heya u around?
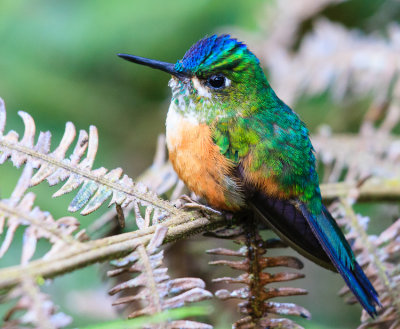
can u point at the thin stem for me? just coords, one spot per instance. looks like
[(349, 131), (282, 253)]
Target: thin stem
[(256, 288), (151, 282), (49, 227), (130, 191), (107, 248), (371, 191)]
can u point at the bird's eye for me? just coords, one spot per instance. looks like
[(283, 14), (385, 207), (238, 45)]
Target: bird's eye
[(217, 81)]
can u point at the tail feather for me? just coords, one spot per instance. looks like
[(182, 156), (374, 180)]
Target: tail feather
[(307, 233), (339, 252)]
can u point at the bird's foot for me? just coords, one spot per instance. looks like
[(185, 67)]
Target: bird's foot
[(229, 218), (185, 202)]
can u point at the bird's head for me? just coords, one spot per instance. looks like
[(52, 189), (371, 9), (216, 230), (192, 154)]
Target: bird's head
[(217, 77)]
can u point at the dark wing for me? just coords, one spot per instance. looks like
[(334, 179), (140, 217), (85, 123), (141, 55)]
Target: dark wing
[(289, 223)]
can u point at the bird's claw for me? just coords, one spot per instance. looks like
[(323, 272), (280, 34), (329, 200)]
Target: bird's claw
[(189, 203)]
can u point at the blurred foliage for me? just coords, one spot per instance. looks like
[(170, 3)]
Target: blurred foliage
[(137, 323), (58, 61)]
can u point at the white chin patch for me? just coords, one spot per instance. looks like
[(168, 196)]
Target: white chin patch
[(201, 90)]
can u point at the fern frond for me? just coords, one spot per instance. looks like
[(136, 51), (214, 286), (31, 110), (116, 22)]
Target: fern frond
[(107, 248), (157, 291), (355, 63), (160, 178), (379, 257), (255, 306), (19, 210), (95, 186), (352, 158), (39, 311)]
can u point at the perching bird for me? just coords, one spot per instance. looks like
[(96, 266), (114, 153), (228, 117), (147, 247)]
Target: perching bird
[(236, 144)]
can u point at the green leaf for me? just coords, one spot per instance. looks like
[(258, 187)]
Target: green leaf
[(168, 315)]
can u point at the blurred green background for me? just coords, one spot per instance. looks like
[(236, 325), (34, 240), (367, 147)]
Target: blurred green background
[(58, 62)]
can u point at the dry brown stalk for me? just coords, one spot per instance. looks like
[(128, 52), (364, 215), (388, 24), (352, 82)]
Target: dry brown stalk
[(256, 307), (156, 290), (107, 249), (38, 310)]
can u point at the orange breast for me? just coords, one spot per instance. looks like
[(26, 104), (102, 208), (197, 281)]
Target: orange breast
[(197, 160)]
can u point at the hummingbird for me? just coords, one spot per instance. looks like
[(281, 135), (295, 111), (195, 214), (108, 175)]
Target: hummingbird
[(234, 143)]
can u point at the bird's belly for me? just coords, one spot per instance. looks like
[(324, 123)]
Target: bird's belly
[(198, 162)]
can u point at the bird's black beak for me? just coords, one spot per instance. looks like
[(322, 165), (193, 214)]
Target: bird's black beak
[(163, 66)]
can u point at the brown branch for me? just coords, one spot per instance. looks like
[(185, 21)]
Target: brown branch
[(373, 189), (179, 228), (255, 307), (107, 248)]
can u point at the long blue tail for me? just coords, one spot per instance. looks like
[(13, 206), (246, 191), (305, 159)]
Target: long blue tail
[(307, 233), (338, 250)]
